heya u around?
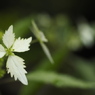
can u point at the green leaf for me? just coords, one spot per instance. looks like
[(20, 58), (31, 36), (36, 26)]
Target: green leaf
[(59, 57), (85, 68), (2, 72), (58, 80)]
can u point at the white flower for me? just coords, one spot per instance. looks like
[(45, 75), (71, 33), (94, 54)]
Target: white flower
[(86, 34), (41, 38), (15, 64)]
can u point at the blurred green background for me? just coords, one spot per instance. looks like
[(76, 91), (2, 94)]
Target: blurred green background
[(69, 26)]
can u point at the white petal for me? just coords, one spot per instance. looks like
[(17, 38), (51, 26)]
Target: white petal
[(21, 45), (2, 51), (15, 66), (47, 52), (42, 37), (9, 37)]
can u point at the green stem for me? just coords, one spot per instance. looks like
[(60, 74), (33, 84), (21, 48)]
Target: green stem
[(34, 41)]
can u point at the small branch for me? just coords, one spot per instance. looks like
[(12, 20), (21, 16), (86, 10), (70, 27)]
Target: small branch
[(34, 41)]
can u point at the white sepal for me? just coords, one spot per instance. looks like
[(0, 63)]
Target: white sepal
[(9, 37), (2, 51), (42, 37), (38, 34), (21, 45), (15, 67), (46, 51)]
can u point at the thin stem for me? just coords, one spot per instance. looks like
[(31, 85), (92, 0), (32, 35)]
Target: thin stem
[(34, 41)]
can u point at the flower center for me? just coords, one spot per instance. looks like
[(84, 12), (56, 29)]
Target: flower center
[(9, 51)]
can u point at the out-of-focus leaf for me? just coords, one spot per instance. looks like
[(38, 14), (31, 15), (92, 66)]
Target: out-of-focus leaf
[(74, 42), (1, 34), (2, 71), (58, 80), (85, 68), (59, 57)]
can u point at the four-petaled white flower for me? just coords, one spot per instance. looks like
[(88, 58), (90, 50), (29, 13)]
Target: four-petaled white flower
[(15, 64)]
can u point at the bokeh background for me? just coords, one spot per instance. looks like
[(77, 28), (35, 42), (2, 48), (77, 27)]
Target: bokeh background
[(69, 26)]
